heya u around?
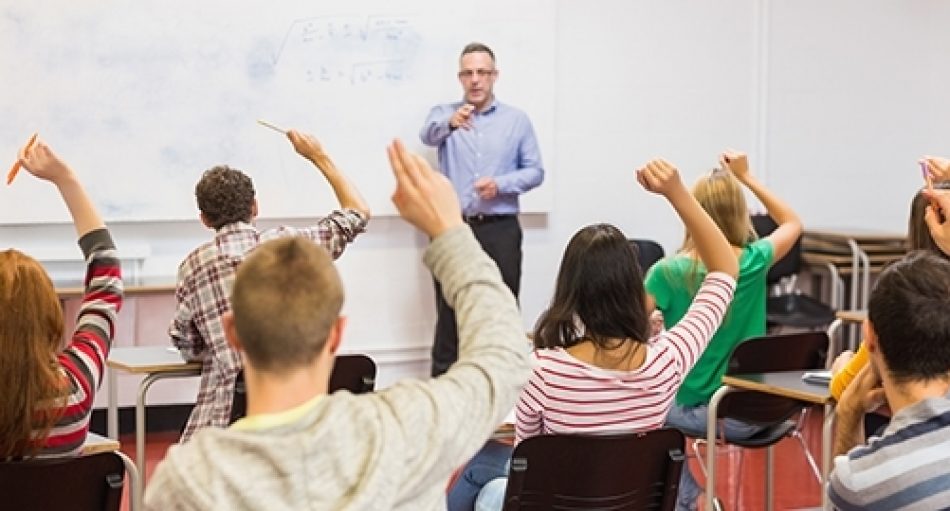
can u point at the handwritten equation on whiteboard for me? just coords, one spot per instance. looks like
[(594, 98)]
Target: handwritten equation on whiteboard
[(349, 50)]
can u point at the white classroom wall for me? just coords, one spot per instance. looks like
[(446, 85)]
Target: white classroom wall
[(833, 100)]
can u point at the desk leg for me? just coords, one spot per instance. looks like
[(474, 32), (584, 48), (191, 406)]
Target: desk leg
[(135, 499), (140, 432), (827, 437), (711, 445), (112, 413), (865, 279), (834, 348), (140, 419)]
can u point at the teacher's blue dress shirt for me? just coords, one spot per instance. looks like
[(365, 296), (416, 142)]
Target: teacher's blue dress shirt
[(500, 144)]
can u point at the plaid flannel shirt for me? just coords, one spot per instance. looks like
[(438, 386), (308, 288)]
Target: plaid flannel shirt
[(203, 294)]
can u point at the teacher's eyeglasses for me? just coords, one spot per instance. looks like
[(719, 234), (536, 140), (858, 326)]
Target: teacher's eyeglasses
[(468, 74)]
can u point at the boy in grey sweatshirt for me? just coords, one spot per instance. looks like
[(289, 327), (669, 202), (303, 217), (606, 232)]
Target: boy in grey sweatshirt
[(299, 448)]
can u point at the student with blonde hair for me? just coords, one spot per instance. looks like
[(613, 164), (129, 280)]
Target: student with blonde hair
[(47, 388), (674, 281)]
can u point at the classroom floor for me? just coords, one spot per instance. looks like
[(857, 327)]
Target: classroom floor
[(795, 487)]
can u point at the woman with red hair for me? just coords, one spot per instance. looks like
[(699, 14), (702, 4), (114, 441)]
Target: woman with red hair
[(47, 389)]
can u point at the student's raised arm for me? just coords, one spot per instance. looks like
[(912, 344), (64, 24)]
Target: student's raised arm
[(442, 422), (346, 193), (789, 228), (83, 359), (661, 177), (43, 163)]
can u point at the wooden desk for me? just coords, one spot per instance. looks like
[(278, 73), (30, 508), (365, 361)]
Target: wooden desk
[(504, 433), (785, 384), (156, 363), (96, 444)]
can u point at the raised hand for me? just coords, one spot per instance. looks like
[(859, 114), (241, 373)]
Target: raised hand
[(306, 145), (736, 162), (424, 197), (659, 176), (937, 167), (43, 163)]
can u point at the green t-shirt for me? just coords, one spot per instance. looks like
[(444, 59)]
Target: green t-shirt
[(673, 286)]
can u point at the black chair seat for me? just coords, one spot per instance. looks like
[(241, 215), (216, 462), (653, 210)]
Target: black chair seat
[(768, 436), (798, 310)]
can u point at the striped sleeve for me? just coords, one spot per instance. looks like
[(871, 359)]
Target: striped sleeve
[(83, 360), (688, 338), (528, 419), (906, 469)]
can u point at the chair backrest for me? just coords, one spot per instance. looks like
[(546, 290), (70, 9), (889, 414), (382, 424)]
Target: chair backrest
[(787, 266), (84, 482), (355, 373), (771, 353), (596, 472), (648, 252)]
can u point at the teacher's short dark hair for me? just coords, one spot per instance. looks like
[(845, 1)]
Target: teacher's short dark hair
[(477, 47)]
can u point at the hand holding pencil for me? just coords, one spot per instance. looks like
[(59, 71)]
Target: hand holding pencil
[(307, 146), (38, 159), (17, 164), (936, 167)]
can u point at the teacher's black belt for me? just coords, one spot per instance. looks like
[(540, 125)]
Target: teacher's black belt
[(481, 218)]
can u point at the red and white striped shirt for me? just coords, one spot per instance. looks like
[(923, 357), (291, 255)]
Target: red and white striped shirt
[(83, 361), (565, 395)]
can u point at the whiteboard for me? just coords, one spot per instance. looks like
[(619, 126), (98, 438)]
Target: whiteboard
[(141, 97), (857, 94)]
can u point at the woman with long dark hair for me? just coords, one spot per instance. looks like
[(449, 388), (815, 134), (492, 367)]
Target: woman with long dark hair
[(597, 368)]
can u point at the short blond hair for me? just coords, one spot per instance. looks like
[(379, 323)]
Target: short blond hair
[(720, 194), (286, 298)]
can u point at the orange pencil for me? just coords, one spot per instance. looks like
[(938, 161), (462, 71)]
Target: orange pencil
[(16, 166)]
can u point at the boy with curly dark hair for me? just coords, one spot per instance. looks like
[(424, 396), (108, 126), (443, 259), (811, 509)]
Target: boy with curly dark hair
[(228, 205)]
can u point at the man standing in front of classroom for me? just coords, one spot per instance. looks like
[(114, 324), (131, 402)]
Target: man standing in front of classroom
[(489, 152)]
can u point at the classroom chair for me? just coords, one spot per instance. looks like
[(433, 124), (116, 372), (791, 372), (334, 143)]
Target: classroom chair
[(786, 306), (355, 373), (648, 252), (83, 482), (770, 353), (635, 471)]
